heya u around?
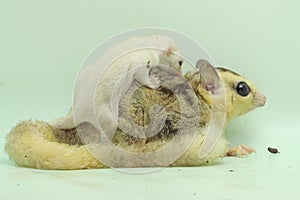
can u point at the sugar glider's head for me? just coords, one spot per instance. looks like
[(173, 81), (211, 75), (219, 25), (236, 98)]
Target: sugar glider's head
[(169, 53), (171, 58), (241, 94)]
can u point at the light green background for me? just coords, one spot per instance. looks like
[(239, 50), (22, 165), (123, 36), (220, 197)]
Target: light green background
[(42, 44)]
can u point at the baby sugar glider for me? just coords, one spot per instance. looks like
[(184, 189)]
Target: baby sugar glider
[(116, 80)]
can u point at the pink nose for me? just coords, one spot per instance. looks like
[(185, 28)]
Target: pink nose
[(261, 99)]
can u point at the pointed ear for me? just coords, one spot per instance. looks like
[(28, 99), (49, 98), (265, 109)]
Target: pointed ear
[(209, 77)]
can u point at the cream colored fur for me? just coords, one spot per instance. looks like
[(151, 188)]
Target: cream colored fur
[(34, 143)]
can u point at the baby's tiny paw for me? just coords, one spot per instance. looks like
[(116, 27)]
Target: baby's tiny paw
[(239, 151)]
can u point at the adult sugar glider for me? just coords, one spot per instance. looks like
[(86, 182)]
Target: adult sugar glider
[(207, 82), (39, 145)]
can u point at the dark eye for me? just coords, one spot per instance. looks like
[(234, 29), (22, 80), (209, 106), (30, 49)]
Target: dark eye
[(148, 64), (180, 62), (242, 89)]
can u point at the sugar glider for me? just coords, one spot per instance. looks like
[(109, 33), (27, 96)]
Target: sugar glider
[(39, 145), (240, 97), (138, 55)]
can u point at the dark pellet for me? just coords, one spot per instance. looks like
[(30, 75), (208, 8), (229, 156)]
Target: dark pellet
[(273, 150)]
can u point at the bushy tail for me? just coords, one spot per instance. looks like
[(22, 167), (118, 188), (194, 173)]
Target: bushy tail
[(36, 144), (33, 144)]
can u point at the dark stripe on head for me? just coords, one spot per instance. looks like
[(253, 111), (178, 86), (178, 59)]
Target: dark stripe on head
[(227, 70)]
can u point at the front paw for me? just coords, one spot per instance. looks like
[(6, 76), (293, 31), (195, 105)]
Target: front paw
[(155, 81), (239, 151)]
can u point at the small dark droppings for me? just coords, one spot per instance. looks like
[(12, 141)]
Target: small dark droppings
[(18, 184), (273, 150), (179, 170), (207, 161), (231, 170), (194, 193), (25, 156)]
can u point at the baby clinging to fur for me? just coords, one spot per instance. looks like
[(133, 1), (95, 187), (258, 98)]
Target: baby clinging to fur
[(101, 108)]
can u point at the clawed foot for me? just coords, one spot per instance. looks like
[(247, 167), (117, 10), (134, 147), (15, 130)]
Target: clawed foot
[(239, 151)]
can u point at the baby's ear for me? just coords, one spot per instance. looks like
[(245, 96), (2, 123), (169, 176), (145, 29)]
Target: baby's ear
[(209, 77)]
